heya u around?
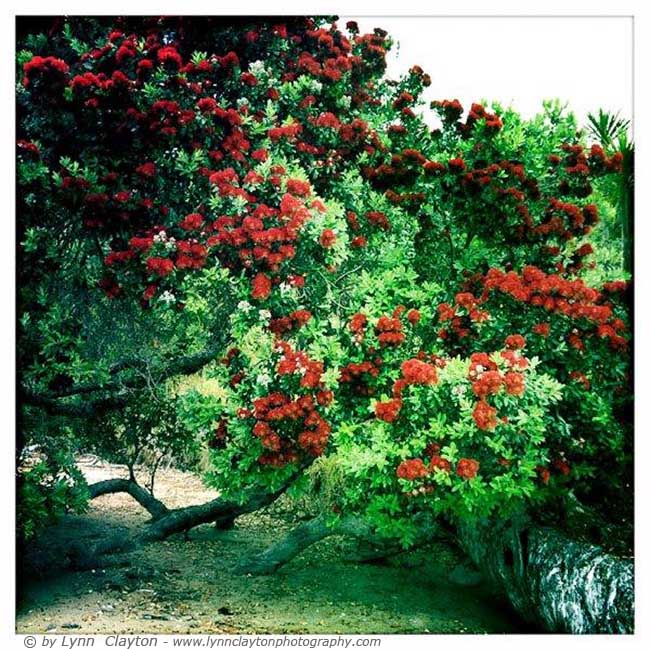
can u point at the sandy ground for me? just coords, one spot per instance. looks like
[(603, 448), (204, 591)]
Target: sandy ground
[(188, 585)]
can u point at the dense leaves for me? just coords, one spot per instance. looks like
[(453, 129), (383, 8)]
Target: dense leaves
[(423, 316)]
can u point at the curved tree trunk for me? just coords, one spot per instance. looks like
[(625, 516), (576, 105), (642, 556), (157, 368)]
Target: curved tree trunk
[(565, 585)]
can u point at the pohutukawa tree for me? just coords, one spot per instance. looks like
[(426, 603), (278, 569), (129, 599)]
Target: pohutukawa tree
[(239, 235)]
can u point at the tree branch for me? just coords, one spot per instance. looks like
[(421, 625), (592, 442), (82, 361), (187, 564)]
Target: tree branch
[(299, 539), (157, 509), (50, 400)]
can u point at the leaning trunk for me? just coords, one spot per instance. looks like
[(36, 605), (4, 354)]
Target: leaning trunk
[(562, 584)]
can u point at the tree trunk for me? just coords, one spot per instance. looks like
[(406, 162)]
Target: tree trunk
[(562, 584)]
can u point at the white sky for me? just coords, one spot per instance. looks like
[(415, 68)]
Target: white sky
[(585, 61)]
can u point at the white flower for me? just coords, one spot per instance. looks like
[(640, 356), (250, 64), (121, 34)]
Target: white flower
[(160, 237), (167, 297), (265, 314), (264, 380), (257, 68), (285, 288), (345, 101), (244, 306)]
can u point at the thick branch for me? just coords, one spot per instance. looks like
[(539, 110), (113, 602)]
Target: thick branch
[(50, 400), (153, 506), (183, 519), (106, 551), (299, 539), (85, 409)]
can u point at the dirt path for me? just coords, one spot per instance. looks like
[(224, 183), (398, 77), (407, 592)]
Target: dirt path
[(187, 586)]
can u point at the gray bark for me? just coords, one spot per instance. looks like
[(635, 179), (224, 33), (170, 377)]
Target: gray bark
[(563, 584)]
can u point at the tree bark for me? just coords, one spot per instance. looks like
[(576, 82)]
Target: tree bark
[(563, 584), (183, 519), (153, 506)]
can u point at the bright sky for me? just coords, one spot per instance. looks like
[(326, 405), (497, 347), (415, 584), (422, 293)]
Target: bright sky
[(585, 61)]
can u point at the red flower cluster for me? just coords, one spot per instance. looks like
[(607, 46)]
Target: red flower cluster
[(467, 468), (295, 320), (415, 371), (327, 238), (170, 56), (160, 266), (261, 287), (412, 469), (485, 416), (389, 331), (477, 112), (388, 411), (515, 342), (192, 221), (287, 425), (191, 255), (298, 362), (48, 68), (358, 324), (439, 463), (570, 298)]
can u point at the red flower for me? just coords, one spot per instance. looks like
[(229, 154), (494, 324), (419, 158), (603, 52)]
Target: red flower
[(260, 155), (388, 411), (325, 397), (412, 469), (358, 323), (48, 66), (170, 55), (543, 329), (298, 187), (148, 170), (192, 221), (515, 342), (160, 266), (445, 312), (438, 462), (467, 468), (543, 474), (207, 104), (487, 383), (413, 316), (485, 416), (456, 165), (562, 466), (515, 383), (261, 287), (327, 238), (419, 372)]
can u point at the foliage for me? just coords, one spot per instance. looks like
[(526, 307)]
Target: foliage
[(429, 312)]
